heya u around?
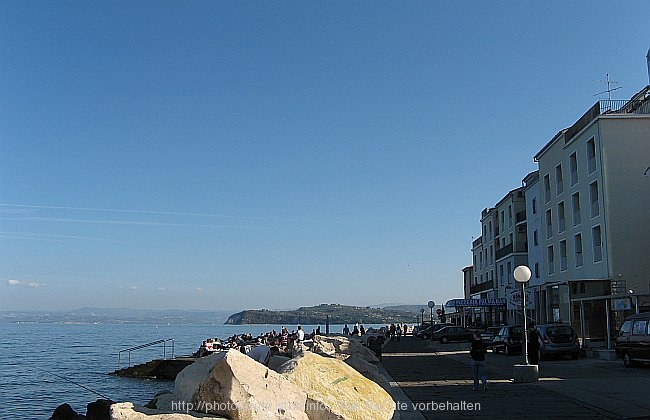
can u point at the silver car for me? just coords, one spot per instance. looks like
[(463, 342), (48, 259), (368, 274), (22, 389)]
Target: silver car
[(558, 340)]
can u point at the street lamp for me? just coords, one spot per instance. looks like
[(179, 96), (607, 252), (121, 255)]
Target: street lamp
[(525, 372), (422, 316), (522, 275), (431, 304)]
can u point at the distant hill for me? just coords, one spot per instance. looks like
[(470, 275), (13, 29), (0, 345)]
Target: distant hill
[(338, 314), (407, 308)]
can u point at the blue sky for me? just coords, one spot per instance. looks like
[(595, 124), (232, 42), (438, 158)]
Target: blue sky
[(231, 155)]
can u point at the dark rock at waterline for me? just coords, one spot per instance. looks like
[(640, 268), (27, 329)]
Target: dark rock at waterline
[(99, 410), (65, 412)]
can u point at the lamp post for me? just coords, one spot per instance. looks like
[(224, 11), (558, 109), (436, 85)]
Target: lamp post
[(524, 372), (522, 275), (431, 304), (422, 315)]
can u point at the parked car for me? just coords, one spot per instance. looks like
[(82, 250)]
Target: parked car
[(487, 336), (447, 334), (508, 339), (428, 330), (558, 340), (633, 340)]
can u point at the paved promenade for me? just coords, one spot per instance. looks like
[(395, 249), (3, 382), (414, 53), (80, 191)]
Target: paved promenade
[(428, 376)]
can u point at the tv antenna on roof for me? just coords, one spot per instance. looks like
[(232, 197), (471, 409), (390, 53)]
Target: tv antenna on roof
[(610, 89)]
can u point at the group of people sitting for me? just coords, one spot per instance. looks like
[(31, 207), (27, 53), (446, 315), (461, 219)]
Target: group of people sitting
[(260, 348)]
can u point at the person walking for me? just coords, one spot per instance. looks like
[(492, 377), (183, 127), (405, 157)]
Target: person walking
[(477, 353)]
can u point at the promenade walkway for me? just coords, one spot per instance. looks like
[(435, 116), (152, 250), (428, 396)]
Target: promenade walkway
[(435, 381)]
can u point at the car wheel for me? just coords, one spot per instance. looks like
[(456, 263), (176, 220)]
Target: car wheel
[(444, 340), (627, 361)]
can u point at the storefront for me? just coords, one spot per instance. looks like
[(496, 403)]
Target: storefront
[(476, 312)]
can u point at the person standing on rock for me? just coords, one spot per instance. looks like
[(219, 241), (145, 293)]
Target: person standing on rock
[(398, 331), (477, 353), (301, 334), (346, 330)]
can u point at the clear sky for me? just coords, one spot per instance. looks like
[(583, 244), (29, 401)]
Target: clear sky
[(232, 155)]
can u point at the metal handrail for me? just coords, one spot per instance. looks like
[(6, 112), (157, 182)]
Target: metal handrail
[(142, 346)]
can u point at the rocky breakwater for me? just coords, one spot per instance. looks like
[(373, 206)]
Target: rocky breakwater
[(316, 384)]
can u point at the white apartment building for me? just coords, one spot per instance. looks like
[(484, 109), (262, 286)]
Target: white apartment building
[(500, 248), (594, 209)]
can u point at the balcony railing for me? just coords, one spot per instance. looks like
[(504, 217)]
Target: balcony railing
[(481, 287), (607, 107), (509, 249)]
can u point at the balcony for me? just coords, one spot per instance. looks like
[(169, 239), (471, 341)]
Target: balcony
[(607, 107), (478, 241), (481, 287), (520, 216), (509, 249)]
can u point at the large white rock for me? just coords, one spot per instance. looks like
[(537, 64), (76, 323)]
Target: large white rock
[(336, 390), (342, 347), (129, 411), (368, 370), (232, 384)]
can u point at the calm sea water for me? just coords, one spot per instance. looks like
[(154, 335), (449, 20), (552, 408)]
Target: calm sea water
[(32, 354)]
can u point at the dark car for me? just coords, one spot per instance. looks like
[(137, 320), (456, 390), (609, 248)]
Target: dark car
[(508, 340), (447, 334), (428, 330), (633, 340), (558, 340), (488, 335)]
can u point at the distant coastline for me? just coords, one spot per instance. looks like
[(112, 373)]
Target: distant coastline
[(319, 315)]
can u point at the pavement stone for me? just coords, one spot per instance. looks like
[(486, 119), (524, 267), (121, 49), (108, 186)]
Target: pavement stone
[(432, 380)]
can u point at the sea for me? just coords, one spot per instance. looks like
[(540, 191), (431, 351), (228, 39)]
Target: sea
[(43, 365)]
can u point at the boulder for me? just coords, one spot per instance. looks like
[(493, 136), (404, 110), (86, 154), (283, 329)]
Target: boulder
[(65, 412), (368, 370), (99, 410), (336, 390), (129, 411), (342, 347), (234, 385)]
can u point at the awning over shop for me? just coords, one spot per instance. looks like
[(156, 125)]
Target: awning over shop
[(475, 303)]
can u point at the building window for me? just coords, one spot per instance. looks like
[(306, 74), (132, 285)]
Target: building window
[(563, 257), (593, 198), (490, 229), (551, 262), (591, 156), (575, 201), (503, 218), (547, 188), (559, 180), (535, 238), (534, 205), (573, 168), (509, 271), (501, 273), (597, 242), (536, 270), (549, 224), (561, 221), (577, 241), (509, 215)]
